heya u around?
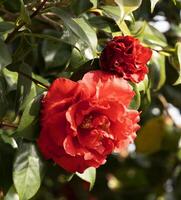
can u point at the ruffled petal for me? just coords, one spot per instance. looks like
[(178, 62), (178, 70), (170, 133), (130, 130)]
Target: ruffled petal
[(109, 86)]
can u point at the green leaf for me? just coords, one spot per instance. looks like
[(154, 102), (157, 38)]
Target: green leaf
[(27, 171), (89, 31), (13, 6), (124, 28), (94, 2), (9, 140), (3, 100), (127, 6), (80, 6), (136, 101), (112, 11), (29, 126), (153, 4), (71, 25), (178, 55), (149, 35), (5, 56), (88, 175), (11, 79), (24, 84), (103, 23), (157, 71), (24, 15), (55, 54), (77, 59), (174, 1), (11, 194), (6, 26), (143, 85)]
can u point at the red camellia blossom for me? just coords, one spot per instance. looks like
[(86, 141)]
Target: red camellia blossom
[(125, 56), (82, 122)]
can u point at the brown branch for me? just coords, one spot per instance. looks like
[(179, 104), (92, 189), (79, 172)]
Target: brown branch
[(5, 124), (165, 105), (12, 34), (49, 21), (43, 2)]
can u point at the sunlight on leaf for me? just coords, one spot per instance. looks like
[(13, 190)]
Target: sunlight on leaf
[(88, 175)]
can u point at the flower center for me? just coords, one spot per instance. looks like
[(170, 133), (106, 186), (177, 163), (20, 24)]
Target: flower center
[(96, 121)]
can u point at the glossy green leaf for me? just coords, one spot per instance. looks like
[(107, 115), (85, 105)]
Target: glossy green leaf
[(11, 79), (143, 85), (13, 6), (112, 12), (9, 140), (136, 101), (127, 6), (3, 100), (123, 27), (6, 26), (157, 71), (27, 171), (71, 25), (24, 84), (24, 15), (55, 54), (89, 175), (29, 126), (178, 55), (103, 23), (11, 194), (5, 56), (80, 6), (77, 59), (148, 34), (89, 31), (94, 2), (153, 4)]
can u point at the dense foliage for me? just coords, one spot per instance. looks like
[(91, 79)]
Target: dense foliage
[(43, 40)]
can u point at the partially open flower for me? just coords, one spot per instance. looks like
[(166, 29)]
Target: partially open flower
[(125, 56)]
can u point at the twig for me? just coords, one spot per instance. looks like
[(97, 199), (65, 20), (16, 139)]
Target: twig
[(51, 22), (166, 107), (38, 9), (11, 35), (163, 101), (165, 52), (5, 124)]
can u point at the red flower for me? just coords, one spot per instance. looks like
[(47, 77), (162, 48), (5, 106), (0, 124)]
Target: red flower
[(82, 122), (125, 56)]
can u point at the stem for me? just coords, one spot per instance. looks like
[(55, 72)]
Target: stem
[(166, 51), (5, 124), (43, 2), (49, 21), (165, 104), (34, 80), (163, 101), (11, 35)]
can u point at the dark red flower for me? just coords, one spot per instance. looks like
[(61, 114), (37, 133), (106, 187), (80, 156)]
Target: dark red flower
[(125, 56), (83, 122)]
